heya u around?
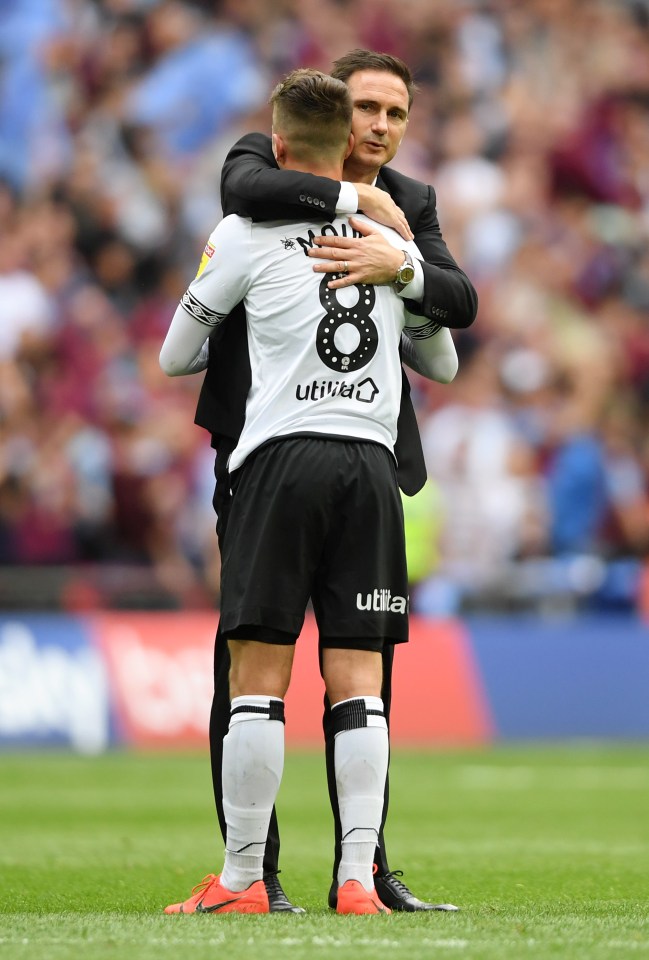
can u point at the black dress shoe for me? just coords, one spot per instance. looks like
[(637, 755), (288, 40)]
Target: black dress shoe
[(396, 895), (278, 902)]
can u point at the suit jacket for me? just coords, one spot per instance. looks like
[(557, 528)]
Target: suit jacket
[(252, 186)]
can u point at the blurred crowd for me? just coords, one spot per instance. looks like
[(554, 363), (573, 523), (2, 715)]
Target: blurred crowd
[(532, 123)]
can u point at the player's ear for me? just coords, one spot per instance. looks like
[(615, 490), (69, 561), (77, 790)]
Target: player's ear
[(350, 145), (279, 149)]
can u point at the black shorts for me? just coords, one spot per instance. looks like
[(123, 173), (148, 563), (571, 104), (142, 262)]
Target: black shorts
[(320, 519)]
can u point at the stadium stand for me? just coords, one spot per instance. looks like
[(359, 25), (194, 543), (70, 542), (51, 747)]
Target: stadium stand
[(532, 123)]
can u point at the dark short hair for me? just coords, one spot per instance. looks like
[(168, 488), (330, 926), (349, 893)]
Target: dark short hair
[(360, 59), (314, 109)]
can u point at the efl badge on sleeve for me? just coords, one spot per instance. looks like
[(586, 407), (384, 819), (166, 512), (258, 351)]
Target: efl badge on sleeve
[(208, 253)]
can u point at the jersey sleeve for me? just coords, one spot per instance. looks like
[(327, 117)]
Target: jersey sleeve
[(223, 279), (429, 349)]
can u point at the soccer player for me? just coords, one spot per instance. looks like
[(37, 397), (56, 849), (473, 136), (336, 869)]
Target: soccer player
[(316, 512), (382, 90)]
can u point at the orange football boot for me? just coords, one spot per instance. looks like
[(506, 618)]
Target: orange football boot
[(210, 896), (354, 898)]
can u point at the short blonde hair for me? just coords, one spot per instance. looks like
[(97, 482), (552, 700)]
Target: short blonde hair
[(313, 111)]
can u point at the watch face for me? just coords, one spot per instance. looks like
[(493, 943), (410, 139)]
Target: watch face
[(406, 274)]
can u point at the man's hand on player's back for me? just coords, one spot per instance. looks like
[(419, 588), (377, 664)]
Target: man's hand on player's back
[(369, 259)]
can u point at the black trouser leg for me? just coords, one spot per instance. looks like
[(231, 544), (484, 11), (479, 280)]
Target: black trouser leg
[(220, 712), (380, 855), (219, 721)]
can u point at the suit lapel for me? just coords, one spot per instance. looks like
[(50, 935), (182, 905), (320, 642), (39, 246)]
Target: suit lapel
[(380, 182)]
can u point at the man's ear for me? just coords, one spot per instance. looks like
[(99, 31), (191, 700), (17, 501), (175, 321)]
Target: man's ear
[(350, 145), (279, 149)]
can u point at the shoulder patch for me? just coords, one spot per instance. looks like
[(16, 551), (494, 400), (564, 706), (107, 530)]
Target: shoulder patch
[(208, 253)]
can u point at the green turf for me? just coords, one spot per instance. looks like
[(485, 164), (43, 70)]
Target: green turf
[(545, 849)]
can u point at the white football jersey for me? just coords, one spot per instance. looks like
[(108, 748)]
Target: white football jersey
[(323, 361)]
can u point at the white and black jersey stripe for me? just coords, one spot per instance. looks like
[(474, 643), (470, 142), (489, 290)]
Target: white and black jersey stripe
[(199, 311), (423, 332)]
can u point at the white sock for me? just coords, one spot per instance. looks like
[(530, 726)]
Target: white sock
[(253, 762), (361, 764)]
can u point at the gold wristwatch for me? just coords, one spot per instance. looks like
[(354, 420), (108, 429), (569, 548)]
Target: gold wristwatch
[(405, 273)]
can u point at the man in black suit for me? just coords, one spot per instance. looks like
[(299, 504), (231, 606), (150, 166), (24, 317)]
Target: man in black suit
[(252, 185)]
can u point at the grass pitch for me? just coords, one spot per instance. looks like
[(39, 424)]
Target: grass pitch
[(546, 850)]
